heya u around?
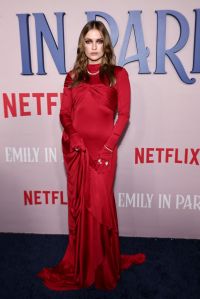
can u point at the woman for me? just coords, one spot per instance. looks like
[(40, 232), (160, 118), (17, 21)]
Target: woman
[(93, 91)]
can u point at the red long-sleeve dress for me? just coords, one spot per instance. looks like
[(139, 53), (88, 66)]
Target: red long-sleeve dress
[(87, 114)]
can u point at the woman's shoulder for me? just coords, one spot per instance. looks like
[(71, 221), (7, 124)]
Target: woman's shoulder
[(121, 75), (120, 70), (69, 78)]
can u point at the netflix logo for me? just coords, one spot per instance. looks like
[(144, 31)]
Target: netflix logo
[(30, 104), (170, 155), (43, 197)]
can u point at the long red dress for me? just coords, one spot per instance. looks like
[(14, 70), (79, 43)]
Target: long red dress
[(93, 253)]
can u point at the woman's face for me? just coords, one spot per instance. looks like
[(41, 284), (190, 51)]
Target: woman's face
[(93, 46)]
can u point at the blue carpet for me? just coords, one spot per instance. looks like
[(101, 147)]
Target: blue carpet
[(172, 269)]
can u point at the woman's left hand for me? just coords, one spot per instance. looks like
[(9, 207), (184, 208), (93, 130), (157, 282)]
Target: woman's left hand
[(103, 162)]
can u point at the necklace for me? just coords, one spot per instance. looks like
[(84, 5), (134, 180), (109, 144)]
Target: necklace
[(92, 74)]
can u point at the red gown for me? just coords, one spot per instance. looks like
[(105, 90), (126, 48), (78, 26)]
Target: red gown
[(93, 252)]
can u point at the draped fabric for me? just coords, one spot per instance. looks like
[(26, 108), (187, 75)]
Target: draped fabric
[(93, 252)]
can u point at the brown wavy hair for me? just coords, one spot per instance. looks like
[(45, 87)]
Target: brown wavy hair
[(106, 72)]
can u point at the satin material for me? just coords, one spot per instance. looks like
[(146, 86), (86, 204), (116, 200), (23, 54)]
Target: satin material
[(93, 253)]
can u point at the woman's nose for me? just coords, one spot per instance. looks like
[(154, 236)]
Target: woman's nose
[(94, 46)]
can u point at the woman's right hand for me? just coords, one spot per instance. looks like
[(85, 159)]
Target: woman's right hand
[(77, 143)]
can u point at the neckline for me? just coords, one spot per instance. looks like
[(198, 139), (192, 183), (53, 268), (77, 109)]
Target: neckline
[(93, 67)]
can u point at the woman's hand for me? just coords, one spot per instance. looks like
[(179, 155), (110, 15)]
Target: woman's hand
[(104, 159), (77, 143)]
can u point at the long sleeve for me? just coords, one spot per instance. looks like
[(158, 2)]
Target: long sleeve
[(66, 107), (66, 110), (124, 94)]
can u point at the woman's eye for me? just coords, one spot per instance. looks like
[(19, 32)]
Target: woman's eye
[(99, 41)]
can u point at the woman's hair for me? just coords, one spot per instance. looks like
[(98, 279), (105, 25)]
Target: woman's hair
[(108, 60)]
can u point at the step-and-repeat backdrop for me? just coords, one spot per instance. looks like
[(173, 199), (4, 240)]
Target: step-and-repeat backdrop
[(157, 187)]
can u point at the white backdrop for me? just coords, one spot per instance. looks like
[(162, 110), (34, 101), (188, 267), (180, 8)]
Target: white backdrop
[(157, 187)]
